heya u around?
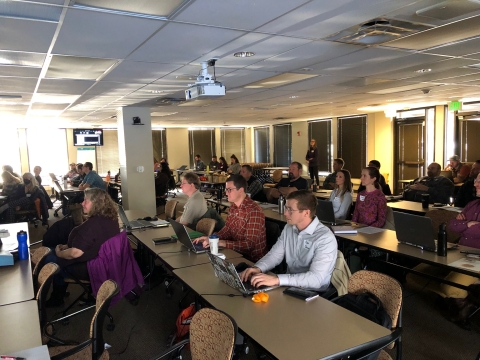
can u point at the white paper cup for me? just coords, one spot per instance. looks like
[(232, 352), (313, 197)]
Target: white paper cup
[(214, 244)]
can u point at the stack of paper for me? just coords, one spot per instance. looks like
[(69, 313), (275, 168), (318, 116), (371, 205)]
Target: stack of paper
[(344, 229)]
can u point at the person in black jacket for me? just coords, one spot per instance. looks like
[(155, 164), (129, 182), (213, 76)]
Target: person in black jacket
[(437, 186), (467, 191), (312, 158)]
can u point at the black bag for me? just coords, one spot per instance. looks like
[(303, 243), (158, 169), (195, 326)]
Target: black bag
[(368, 306)]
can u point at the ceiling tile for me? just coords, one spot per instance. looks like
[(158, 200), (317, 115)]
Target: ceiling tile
[(64, 86), (41, 106), (20, 58), (245, 14), (461, 48), (26, 35), (139, 72), (168, 47), (156, 8), (94, 34), (20, 71), (17, 85), (76, 67)]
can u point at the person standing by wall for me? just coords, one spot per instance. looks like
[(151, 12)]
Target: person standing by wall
[(312, 158)]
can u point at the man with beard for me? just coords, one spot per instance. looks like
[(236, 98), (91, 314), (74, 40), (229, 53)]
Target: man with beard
[(293, 183), (437, 186)]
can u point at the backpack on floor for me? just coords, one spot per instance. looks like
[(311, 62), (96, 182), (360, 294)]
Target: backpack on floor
[(182, 328)]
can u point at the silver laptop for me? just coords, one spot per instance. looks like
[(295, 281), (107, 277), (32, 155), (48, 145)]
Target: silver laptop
[(416, 231), (226, 272), (326, 214), (134, 224), (185, 239)]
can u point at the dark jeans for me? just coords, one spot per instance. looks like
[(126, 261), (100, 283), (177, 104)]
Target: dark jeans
[(313, 170), (78, 270)]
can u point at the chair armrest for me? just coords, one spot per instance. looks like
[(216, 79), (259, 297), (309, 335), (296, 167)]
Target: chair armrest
[(377, 346), (72, 351), (36, 243), (176, 347)]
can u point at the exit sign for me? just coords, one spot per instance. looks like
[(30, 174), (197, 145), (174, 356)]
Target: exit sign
[(455, 106)]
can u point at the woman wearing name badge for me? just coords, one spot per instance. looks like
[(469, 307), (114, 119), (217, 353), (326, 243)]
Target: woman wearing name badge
[(223, 164), (371, 205), (341, 196)]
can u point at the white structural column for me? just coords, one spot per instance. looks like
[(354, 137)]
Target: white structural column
[(135, 153)]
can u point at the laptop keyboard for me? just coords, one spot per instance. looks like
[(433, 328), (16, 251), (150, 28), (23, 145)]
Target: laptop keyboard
[(250, 288)]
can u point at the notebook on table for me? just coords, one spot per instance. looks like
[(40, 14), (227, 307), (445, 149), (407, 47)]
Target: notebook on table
[(185, 238), (326, 214), (226, 272), (416, 231), (134, 224)]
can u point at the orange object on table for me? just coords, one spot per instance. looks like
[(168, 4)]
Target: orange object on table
[(260, 297)]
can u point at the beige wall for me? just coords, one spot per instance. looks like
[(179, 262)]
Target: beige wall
[(22, 140), (72, 150), (440, 134), (380, 143), (300, 143), (249, 144), (177, 147)]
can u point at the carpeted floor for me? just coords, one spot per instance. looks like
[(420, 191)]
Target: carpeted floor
[(142, 331)]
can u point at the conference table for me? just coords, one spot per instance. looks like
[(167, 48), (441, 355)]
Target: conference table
[(16, 284), (286, 327)]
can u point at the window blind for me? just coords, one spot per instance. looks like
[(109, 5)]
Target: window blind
[(282, 144), (107, 155), (10, 149), (262, 144), (233, 142), (352, 143), (201, 142), (50, 155), (321, 131), (159, 141), (468, 136)]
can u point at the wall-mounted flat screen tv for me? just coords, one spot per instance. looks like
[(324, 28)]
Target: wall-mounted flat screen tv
[(88, 137)]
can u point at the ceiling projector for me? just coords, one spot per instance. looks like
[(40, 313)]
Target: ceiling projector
[(206, 87)]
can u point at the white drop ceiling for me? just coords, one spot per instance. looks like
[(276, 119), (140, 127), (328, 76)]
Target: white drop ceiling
[(75, 62)]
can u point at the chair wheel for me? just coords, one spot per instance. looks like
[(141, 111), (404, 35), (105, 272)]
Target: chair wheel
[(110, 327)]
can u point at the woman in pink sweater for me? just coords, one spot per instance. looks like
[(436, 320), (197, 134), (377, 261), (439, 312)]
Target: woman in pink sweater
[(371, 205)]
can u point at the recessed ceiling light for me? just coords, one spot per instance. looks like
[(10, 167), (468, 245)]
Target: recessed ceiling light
[(423, 71), (244, 54), (294, 97), (157, 91)]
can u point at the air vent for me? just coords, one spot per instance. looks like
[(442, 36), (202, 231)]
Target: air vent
[(281, 118), (377, 31)]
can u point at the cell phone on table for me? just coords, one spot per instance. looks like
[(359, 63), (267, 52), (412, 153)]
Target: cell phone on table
[(162, 240), (303, 294)]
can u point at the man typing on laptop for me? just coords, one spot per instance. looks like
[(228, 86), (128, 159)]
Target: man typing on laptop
[(309, 247), (244, 230)]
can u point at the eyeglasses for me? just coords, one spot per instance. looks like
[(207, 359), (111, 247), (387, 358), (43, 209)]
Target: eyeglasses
[(183, 184), (229, 190), (290, 210)]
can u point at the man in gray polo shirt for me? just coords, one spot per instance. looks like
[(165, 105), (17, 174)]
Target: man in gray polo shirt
[(310, 249), (196, 206)]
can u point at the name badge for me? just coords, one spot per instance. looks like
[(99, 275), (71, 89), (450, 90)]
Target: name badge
[(362, 197), (307, 244)]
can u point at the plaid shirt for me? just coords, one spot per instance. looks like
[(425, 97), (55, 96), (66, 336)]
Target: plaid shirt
[(244, 230)]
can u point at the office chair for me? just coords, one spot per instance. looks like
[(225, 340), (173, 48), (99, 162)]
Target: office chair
[(42, 283), (276, 177), (31, 215), (212, 336), (170, 209), (94, 347), (38, 258), (389, 291), (206, 226)]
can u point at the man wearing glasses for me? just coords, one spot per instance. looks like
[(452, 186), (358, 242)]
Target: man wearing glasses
[(309, 247), (196, 206), (244, 230)]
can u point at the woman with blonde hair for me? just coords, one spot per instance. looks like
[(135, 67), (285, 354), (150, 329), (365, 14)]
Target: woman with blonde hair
[(10, 184), (26, 200), (312, 159), (84, 241)]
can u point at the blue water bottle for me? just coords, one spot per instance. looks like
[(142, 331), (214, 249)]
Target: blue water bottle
[(22, 245)]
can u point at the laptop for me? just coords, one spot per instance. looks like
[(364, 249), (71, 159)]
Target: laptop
[(447, 173), (183, 167), (185, 239), (326, 214), (416, 231), (135, 224), (226, 272)]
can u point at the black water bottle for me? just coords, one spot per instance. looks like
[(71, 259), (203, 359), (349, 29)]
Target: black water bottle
[(442, 240)]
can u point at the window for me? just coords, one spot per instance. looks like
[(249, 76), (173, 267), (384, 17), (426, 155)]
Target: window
[(159, 140), (10, 149), (282, 144), (233, 142), (107, 155), (201, 142), (262, 144), (50, 155), (468, 130), (321, 131), (352, 143)]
